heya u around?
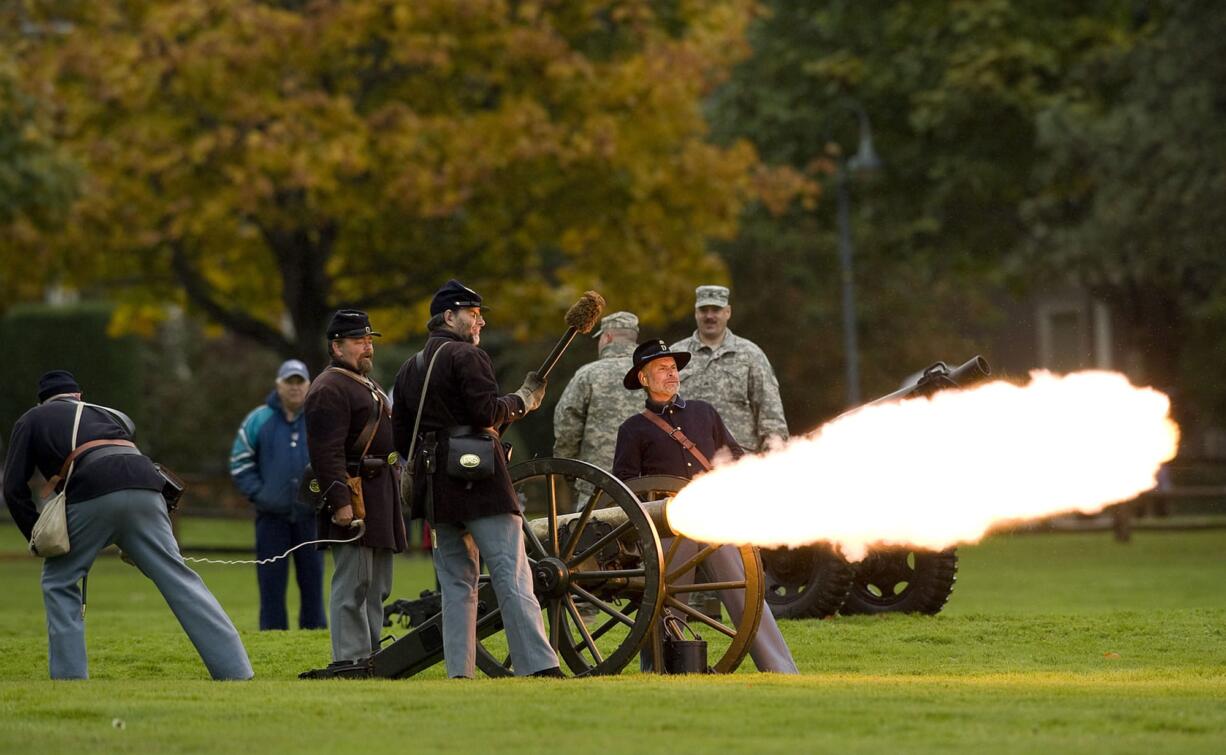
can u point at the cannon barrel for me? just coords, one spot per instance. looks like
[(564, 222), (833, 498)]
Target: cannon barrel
[(939, 376), (614, 516)]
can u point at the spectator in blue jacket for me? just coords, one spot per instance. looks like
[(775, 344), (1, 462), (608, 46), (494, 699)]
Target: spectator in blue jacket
[(267, 462)]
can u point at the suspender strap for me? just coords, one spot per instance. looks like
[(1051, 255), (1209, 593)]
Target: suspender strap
[(676, 434)]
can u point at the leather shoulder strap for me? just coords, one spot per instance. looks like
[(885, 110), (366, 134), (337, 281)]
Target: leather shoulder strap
[(420, 360), (367, 436), (66, 468), (676, 434)]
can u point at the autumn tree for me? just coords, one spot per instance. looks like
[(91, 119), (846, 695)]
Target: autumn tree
[(38, 180), (264, 162)]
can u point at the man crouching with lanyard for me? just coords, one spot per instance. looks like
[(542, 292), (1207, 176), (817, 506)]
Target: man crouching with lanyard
[(114, 497), (477, 517)]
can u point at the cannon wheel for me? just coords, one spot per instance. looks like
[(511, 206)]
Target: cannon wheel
[(902, 580), (624, 599), (807, 582), (739, 634)]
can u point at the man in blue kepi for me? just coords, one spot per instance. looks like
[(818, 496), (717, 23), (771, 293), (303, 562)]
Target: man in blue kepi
[(266, 462)]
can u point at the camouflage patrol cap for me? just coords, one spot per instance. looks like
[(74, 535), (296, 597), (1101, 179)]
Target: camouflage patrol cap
[(710, 296), (618, 321)]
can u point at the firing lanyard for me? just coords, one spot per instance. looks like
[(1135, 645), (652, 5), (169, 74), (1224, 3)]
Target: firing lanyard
[(361, 527)]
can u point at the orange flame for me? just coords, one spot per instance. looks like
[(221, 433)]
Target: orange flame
[(935, 472)]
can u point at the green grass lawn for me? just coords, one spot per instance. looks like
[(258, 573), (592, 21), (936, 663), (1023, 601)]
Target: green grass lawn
[(1056, 643)]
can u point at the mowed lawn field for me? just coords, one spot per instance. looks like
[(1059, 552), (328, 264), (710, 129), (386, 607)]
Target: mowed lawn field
[(1051, 643)]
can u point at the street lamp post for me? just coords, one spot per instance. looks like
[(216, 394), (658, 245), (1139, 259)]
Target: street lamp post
[(865, 160)]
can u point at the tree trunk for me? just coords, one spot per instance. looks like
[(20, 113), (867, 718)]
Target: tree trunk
[(302, 257)]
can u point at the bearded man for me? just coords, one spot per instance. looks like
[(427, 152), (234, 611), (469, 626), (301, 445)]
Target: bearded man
[(447, 398), (349, 437)]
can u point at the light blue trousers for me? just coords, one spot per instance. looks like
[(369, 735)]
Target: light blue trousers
[(500, 541), (361, 582), (137, 522)]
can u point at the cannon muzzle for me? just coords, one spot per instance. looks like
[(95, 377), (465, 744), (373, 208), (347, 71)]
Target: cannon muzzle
[(973, 371), (938, 376)]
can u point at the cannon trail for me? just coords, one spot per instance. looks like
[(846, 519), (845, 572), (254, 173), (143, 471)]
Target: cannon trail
[(939, 471)]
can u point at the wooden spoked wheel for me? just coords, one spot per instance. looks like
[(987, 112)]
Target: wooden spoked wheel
[(727, 639), (598, 572)]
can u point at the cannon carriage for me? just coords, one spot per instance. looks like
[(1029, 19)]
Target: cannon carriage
[(605, 576)]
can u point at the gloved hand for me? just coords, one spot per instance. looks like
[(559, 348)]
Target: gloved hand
[(532, 391)]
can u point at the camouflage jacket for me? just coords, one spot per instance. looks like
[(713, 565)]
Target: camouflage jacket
[(737, 379), (593, 406)]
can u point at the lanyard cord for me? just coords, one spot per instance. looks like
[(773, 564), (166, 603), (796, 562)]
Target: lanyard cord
[(361, 531)]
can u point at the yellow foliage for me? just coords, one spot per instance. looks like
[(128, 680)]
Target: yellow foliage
[(258, 161), (141, 319)]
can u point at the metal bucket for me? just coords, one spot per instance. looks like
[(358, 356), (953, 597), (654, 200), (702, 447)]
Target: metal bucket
[(682, 656)]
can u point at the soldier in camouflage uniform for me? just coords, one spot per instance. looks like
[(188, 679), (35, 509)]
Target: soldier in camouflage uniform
[(594, 403), (732, 374)]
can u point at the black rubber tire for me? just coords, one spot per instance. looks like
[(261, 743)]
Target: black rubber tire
[(805, 583), (902, 580)]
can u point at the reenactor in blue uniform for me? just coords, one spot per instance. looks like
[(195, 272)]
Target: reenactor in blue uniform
[(473, 511), (114, 498), (349, 439), (676, 436)]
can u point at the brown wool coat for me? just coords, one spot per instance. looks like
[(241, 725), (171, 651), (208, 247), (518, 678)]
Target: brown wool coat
[(463, 391), (337, 408)]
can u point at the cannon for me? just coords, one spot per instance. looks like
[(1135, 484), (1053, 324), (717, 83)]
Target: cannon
[(815, 581), (604, 575), (607, 574)]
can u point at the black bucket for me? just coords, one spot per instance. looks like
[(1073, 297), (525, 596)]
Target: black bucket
[(682, 656)]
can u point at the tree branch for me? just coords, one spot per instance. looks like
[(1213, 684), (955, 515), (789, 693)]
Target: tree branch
[(200, 293)]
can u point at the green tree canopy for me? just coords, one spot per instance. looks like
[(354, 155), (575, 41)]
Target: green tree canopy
[(954, 92), (1130, 195)]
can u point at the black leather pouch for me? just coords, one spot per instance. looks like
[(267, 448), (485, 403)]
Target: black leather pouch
[(471, 457), (172, 486)]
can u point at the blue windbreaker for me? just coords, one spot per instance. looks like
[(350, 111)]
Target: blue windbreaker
[(268, 458)]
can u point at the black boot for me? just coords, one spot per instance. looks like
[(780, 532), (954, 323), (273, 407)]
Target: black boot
[(551, 673)]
